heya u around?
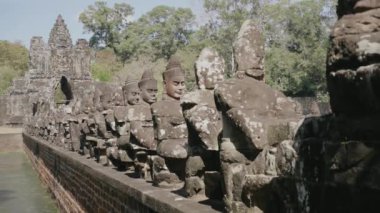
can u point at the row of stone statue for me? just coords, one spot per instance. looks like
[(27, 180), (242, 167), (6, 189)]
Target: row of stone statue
[(224, 140), (238, 139)]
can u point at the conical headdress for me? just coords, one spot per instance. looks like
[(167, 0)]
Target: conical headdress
[(147, 77), (173, 68), (130, 82)]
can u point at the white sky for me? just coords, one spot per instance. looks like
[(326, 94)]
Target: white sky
[(22, 19)]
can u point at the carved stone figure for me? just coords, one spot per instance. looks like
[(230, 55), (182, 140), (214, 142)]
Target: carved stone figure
[(256, 120), (170, 129), (352, 62), (148, 87), (204, 125), (121, 155), (337, 167), (249, 51), (143, 143), (110, 100)]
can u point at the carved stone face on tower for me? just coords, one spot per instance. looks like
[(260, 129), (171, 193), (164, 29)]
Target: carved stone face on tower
[(148, 87), (174, 79), (209, 69)]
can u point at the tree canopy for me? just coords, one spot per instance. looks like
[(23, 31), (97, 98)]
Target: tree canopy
[(159, 33), (296, 35), (13, 63), (106, 23)]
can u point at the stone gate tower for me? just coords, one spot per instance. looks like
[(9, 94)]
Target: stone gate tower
[(57, 70)]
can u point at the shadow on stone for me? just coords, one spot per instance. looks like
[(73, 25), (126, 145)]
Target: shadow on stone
[(215, 204)]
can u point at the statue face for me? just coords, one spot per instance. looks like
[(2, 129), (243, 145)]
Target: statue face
[(149, 93), (133, 95), (209, 69), (211, 78), (175, 86)]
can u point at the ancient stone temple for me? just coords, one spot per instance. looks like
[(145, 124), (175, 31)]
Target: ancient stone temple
[(57, 71)]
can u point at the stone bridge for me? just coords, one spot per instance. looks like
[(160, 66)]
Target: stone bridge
[(234, 145)]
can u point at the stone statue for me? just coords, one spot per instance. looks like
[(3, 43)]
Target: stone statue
[(101, 131), (338, 155), (120, 154), (352, 59), (205, 126), (142, 141), (170, 129), (256, 121)]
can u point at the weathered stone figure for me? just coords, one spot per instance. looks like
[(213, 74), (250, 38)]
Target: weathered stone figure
[(170, 129), (338, 164), (257, 121), (97, 140), (148, 87), (143, 143), (205, 126), (120, 155), (352, 62)]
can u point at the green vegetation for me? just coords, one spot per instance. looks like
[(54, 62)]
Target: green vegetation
[(105, 65), (296, 35), (105, 23), (13, 63), (297, 45)]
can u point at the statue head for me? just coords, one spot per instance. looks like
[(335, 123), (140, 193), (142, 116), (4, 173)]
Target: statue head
[(209, 69), (249, 51), (131, 91), (174, 79), (148, 87)]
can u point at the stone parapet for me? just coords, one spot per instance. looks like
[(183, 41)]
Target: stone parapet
[(81, 184)]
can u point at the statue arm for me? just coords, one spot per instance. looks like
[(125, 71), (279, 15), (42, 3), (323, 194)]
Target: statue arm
[(143, 135)]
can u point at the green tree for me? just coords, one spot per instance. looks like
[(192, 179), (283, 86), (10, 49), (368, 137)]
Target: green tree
[(159, 33), (14, 60), (297, 39), (105, 65), (106, 23)]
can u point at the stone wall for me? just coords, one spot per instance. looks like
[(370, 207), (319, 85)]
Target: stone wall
[(80, 184), (3, 110)]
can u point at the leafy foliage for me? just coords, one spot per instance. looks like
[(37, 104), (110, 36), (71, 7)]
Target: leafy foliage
[(106, 23), (105, 66), (159, 33), (13, 63), (297, 39)]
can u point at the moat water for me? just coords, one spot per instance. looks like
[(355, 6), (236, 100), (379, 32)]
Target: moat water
[(20, 188)]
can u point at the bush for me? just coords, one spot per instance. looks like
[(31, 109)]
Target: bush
[(13, 63)]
